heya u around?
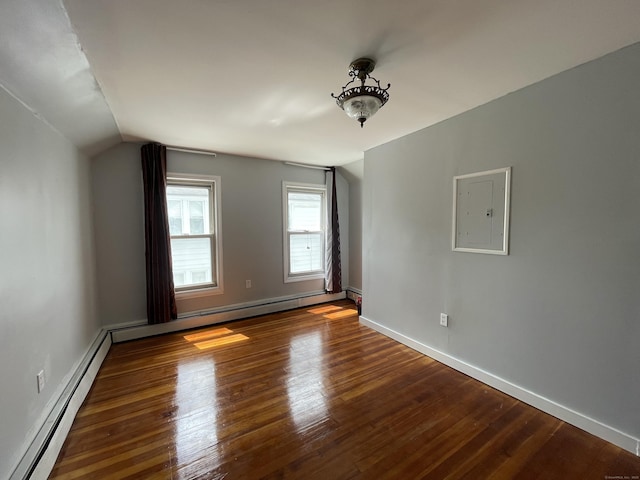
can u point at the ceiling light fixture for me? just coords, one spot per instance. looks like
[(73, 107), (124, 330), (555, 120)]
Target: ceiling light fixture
[(362, 101)]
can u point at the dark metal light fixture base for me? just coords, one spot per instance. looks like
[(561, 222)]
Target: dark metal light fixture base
[(362, 67)]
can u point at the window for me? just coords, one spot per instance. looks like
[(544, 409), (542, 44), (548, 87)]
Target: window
[(194, 226), (304, 226)]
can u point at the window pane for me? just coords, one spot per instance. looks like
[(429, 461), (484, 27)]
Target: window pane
[(192, 203), (306, 252), (305, 211), (175, 217), (192, 259), (198, 277), (196, 218), (178, 279)]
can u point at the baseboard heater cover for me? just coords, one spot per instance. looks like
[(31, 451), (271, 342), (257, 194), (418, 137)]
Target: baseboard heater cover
[(224, 314), (40, 457)]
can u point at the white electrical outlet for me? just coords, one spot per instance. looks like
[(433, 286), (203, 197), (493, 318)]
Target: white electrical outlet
[(40, 381), (444, 319), (247, 283)]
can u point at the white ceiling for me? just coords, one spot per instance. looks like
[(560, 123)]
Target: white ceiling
[(254, 77)]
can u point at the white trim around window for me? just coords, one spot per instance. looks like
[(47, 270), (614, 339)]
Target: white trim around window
[(207, 227), (307, 230)]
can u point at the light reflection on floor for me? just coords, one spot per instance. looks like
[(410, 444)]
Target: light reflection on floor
[(214, 338), (333, 312), (196, 418), (238, 337), (305, 389), (341, 314), (196, 427), (324, 309), (205, 334)]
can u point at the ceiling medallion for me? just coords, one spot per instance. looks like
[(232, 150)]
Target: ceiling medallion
[(362, 101)]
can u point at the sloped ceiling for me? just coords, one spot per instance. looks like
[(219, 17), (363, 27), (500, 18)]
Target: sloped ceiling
[(254, 77), (41, 64)]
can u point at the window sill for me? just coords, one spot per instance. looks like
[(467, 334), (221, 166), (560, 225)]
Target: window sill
[(302, 278), (200, 292)]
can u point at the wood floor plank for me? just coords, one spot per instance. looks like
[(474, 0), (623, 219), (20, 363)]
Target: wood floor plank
[(310, 393)]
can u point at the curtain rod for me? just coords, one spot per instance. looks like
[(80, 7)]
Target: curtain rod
[(316, 167), (191, 150)]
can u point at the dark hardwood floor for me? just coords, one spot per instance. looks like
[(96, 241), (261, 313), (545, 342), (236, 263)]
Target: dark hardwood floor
[(308, 394)]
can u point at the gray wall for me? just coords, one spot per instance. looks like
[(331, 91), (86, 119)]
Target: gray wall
[(251, 229), (559, 316), (353, 173), (47, 319)]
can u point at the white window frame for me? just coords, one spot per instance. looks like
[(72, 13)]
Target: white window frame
[(215, 226), (303, 188)]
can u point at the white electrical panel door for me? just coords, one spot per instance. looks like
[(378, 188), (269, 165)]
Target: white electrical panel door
[(481, 212)]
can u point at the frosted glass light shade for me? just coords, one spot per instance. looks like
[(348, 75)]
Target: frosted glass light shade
[(362, 107), (362, 101)]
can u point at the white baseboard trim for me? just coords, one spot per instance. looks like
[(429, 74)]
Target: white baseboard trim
[(224, 314), (565, 414), (40, 457)]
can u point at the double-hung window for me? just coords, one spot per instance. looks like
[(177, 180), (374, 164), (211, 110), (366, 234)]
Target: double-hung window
[(304, 211), (194, 227)]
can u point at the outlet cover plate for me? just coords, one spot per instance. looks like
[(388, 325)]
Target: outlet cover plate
[(444, 319)]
